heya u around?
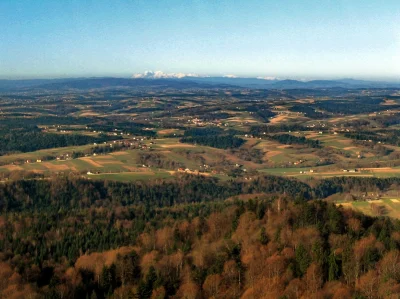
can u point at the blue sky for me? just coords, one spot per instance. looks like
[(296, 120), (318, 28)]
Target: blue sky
[(286, 39)]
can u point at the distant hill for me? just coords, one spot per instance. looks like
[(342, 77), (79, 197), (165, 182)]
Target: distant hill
[(123, 82), (297, 84), (189, 83), (15, 84), (103, 83)]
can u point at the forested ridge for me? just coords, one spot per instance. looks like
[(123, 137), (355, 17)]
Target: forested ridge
[(291, 139), (23, 140), (218, 141), (193, 237), (79, 193), (390, 138)]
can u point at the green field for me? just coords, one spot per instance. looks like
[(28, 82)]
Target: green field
[(41, 153), (390, 206), (277, 159)]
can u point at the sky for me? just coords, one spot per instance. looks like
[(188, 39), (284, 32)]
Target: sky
[(283, 38)]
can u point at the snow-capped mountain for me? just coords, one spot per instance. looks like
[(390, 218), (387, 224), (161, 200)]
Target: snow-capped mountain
[(160, 75)]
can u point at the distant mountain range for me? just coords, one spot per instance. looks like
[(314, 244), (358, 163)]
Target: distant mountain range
[(104, 83), (294, 84), (182, 81), (268, 82)]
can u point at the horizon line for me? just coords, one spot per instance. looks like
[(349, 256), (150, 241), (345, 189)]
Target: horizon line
[(228, 76)]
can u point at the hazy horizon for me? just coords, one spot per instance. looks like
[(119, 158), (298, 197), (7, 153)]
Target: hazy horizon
[(260, 77), (290, 39)]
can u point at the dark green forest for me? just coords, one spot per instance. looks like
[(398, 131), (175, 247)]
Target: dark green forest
[(74, 238)]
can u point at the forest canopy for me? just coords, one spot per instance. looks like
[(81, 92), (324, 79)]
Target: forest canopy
[(194, 236)]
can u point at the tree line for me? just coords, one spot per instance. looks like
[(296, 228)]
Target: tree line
[(291, 139), (218, 141), (28, 141)]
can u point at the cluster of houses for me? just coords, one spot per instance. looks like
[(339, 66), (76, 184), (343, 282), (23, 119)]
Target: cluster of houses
[(134, 143), (353, 170), (305, 171), (32, 161), (196, 121), (187, 170), (298, 162), (201, 123), (181, 169), (95, 172), (205, 168), (350, 170), (63, 157), (318, 125)]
